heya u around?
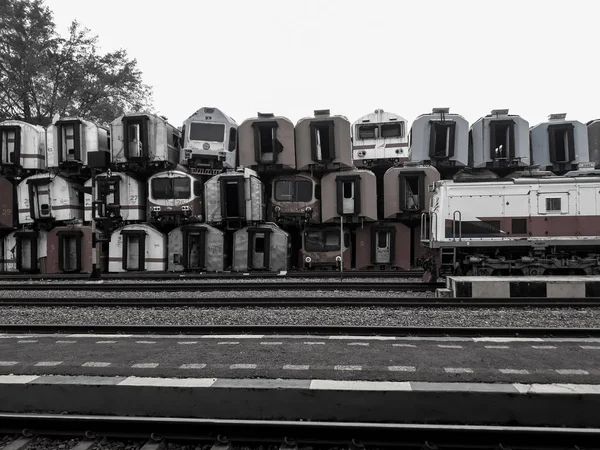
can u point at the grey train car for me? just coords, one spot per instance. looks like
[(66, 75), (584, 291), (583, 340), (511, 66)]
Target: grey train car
[(321, 249), (351, 194), (266, 143), (499, 140), (593, 127), (262, 247), (175, 197), (25, 251), (406, 190), (137, 248), (69, 249), (560, 145), (234, 198), (22, 148), (440, 139), (209, 142), (142, 141), (383, 246), (323, 142), (196, 247), (295, 199)]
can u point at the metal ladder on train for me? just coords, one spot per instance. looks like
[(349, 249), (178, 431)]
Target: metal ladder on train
[(447, 260)]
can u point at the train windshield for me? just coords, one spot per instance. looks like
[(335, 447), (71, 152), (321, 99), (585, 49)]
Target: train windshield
[(293, 191), (391, 130), (322, 241), (171, 188), (212, 132)]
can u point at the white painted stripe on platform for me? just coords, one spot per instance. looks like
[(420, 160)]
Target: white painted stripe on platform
[(296, 367), (544, 347), (145, 366), (106, 342), (402, 368), (96, 364), (170, 382), (590, 347), (363, 338), (228, 343), (458, 370), (362, 344), (497, 346), (558, 388), (514, 371), (572, 372), (17, 379), (449, 346), (314, 343), (103, 336), (271, 343), (192, 366), (187, 342), (404, 345), (48, 363), (242, 366), (27, 341), (145, 342), (65, 342), (347, 367), (232, 336), (8, 363), (339, 385), (506, 339)]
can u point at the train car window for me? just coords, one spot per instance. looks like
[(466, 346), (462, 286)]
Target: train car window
[(181, 187), (553, 204), (382, 239), (391, 130), (232, 139), (318, 192), (313, 241), (198, 188), (8, 139), (442, 139), (171, 188), (332, 240), (212, 132), (284, 190), (502, 139), (348, 188), (368, 131), (259, 244), (304, 191), (562, 143)]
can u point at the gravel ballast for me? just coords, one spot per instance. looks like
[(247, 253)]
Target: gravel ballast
[(356, 316), (282, 279)]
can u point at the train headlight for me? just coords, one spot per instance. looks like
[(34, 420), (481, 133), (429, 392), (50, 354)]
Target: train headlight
[(398, 151), (206, 146), (362, 154), (308, 209), (156, 208), (277, 208), (338, 258), (308, 259)]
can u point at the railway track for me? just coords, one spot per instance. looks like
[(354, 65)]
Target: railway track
[(154, 433), (173, 433), (565, 302), (220, 286), (320, 330)]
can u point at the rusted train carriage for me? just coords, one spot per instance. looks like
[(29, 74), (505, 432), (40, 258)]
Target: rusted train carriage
[(266, 144), (234, 198), (119, 198), (383, 246), (137, 248), (46, 198), (25, 251), (406, 190), (351, 194), (144, 141), (175, 197), (22, 148), (8, 201), (321, 249), (295, 199), (196, 247), (69, 249), (262, 247), (323, 142)]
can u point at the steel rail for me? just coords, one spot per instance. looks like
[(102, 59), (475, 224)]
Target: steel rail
[(328, 330), (270, 302), (293, 433)]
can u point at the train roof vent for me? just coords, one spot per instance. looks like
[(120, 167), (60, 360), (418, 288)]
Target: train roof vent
[(322, 113), (392, 118), (209, 110), (265, 115), (440, 110), (379, 111), (558, 116), (499, 112)]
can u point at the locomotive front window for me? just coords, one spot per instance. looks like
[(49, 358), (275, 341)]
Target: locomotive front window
[(368, 131), (171, 188), (391, 130), (212, 132), (293, 191), (284, 190), (332, 241), (304, 191), (314, 241)]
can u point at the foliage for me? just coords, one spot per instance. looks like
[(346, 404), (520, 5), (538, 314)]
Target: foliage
[(43, 73)]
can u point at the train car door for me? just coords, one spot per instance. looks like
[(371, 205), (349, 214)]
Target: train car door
[(26, 251), (134, 250), (69, 251), (259, 245), (382, 251), (10, 144), (348, 194), (194, 243)]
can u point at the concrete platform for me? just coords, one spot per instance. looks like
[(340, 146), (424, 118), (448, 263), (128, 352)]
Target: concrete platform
[(522, 286), (570, 405)]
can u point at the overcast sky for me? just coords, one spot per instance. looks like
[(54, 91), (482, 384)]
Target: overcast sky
[(291, 57)]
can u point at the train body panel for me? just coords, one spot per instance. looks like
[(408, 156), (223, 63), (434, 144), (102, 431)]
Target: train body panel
[(560, 145), (406, 190), (266, 144), (140, 141), (263, 247), (593, 128), (49, 198), (70, 141), (25, 251), (440, 139), (119, 197), (321, 249), (295, 199), (209, 140), (137, 248), (7, 204), (380, 138), (69, 250), (22, 147), (383, 246), (351, 194), (499, 140), (198, 247), (323, 142), (175, 196), (234, 197)]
